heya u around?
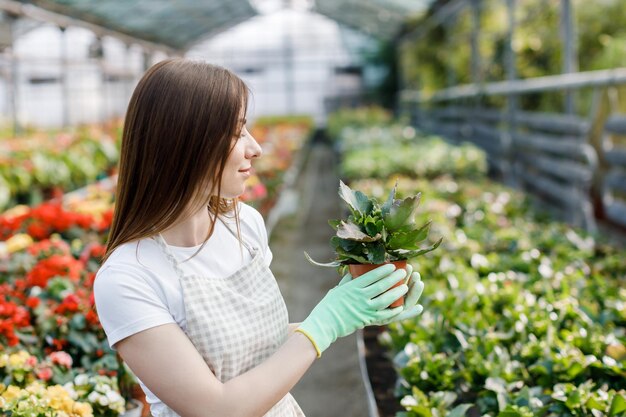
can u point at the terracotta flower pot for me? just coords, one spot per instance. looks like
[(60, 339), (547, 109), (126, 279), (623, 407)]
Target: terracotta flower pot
[(356, 270)]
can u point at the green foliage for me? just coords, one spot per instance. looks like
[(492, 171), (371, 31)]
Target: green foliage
[(361, 117), (375, 233), (523, 316), (427, 157), (442, 57)]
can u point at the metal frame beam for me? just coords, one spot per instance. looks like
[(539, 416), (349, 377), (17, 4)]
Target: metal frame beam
[(598, 78), (431, 22), (37, 13)]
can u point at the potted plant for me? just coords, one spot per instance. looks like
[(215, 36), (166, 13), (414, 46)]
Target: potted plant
[(375, 234)]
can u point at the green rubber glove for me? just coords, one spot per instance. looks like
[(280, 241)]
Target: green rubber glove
[(354, 305), (410, 309)]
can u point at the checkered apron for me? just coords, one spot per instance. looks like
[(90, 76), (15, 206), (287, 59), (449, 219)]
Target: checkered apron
[(235, 322)]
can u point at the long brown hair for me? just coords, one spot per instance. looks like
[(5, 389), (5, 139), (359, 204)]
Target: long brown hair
[(177, 136)]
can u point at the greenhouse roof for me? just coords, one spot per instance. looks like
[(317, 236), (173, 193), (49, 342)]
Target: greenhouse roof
[(380, 18), (176, 24)]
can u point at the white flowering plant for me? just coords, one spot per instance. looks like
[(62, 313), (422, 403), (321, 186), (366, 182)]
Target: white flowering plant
[(101, 391)]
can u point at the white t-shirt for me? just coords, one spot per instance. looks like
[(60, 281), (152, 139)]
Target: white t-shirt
[(137, 289)]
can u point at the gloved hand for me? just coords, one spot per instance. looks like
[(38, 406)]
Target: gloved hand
[(354, 305), (410, 308)]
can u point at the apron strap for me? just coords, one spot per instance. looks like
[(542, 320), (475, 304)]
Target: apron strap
[(176, 265), (168, 254), (250, 248)]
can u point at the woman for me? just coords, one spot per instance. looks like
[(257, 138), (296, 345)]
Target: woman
[(185, 294)]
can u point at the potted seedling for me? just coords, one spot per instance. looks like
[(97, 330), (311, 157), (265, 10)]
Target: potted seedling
[(375, 234)]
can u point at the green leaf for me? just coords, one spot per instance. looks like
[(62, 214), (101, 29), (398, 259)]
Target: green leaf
[(618, 405), (574, 400), (373, 225), (402, 212), (356, 200), (333, 264), (352, 232), (77, 339), (403, 254), (387, 206), (345, 244), (509, 411), (459, 410), (376, 252), (409, 240), (350, 255), (78, 322), (334, 223)]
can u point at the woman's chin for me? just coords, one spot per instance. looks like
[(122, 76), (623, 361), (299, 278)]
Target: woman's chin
[(230, 194)]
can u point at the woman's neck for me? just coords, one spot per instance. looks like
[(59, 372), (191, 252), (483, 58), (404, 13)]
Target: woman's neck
[(189, 232)]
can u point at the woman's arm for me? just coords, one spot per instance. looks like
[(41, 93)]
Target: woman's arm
[(170, 366), (293, 327)]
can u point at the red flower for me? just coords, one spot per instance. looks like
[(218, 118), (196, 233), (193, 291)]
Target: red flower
[(32, 302), (105, 222), (70, 304), (31, 361), (44, 373), (84, 221), (38, 230), (92, 318), (61, 358), (12, 317), (56, 265), (48, 247), (92, 250), (59, 344)]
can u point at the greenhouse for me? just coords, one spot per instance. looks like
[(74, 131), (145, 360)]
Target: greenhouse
[(416, 208)]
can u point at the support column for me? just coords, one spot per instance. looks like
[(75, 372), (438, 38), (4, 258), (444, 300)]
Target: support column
[(569, 40), (448, 25), (511, 102), (65, 90), (474, 39), (147, 59), (288, 65), (12, 74), (129, 75), (96, 51)]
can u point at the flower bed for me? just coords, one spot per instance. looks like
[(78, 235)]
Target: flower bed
[(523, 316), (47, 164), (53, 352)]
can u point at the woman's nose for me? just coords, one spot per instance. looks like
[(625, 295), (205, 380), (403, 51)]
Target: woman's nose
[(254, 149)]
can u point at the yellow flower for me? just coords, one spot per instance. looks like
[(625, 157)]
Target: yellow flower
[(18, 242), (82, 410), (16, 211), (18, 360), (4, 359), (35, 388), (59, 398), (11, 393)]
